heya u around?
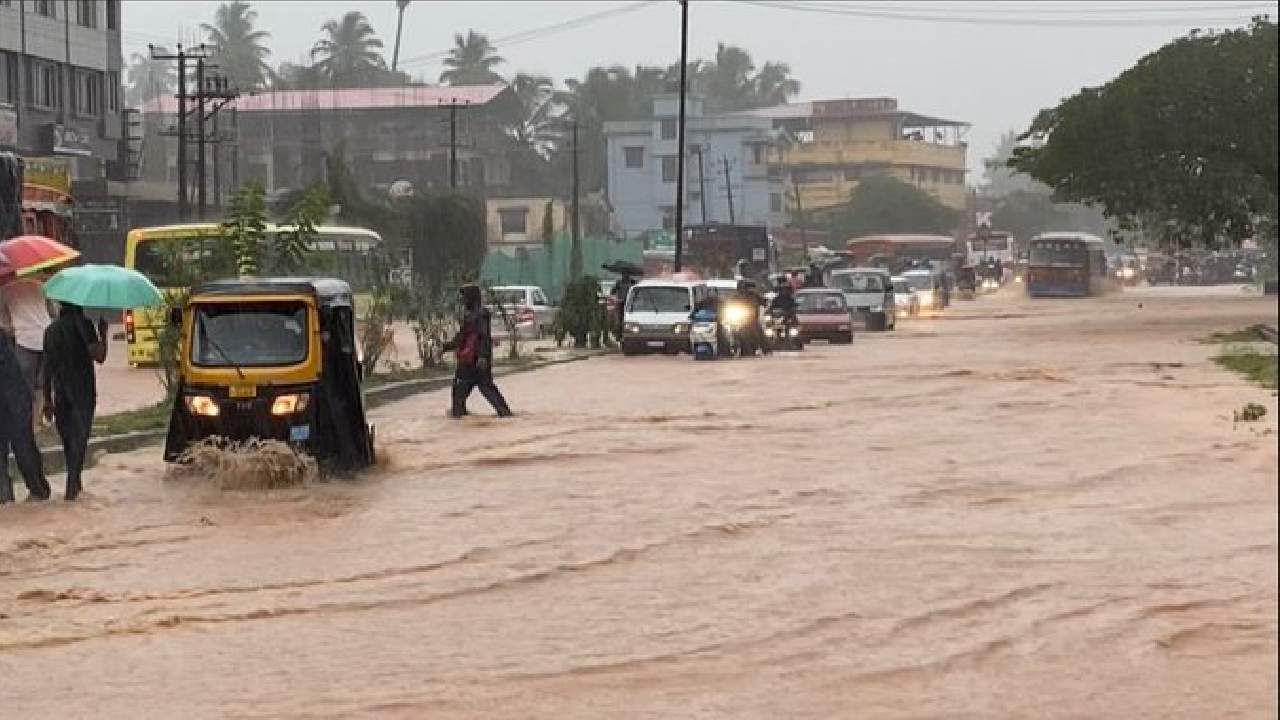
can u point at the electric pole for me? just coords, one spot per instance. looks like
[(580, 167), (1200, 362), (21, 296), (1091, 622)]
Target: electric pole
[(728, 186), (202, 187), (575, 249), (217, 174), (182, 56), (684, 63), (702, 186)]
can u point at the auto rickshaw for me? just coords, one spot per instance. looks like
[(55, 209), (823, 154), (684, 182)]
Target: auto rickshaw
[(271, 358)]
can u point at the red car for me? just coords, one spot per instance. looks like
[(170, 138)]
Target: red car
[(824, 315)]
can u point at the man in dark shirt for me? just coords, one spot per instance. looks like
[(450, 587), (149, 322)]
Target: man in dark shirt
[(15, 428), (473, 346), (71, 346)]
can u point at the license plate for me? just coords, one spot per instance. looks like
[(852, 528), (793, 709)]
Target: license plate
[(300, 433), (656, 344), (243, 391)]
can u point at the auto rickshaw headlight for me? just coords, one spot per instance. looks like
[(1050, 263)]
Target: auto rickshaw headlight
[(289, 404), (201, 405)]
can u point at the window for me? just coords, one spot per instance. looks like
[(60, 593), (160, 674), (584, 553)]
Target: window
[(757, 154), (670, 168), (87, 13), (775, 202), (8, 76), (44, 84), (113, 92), (668, 129), (514, 221), (113, 14), (634, 156), (86, 93), (47, 8)]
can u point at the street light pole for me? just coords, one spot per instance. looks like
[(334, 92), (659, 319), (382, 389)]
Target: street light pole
[(684, 62)]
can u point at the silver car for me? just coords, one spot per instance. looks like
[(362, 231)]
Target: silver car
[(533, 313), (870, 294)]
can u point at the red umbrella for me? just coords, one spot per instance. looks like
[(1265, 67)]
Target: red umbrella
[(6, 270), (30, 254)]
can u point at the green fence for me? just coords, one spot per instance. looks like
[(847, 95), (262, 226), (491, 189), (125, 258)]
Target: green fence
[(547, 266)]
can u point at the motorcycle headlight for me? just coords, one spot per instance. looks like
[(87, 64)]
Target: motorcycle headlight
[(794, 332), (768, 332), (679, 329), (632, 328), (734, 315), (290, 404), (201, 405)]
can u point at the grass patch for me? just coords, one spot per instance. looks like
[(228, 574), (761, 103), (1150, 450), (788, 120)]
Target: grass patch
[(1243, 335), (1257, 367)]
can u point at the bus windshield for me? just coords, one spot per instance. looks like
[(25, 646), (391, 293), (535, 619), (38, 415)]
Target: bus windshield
[(1058, 252)]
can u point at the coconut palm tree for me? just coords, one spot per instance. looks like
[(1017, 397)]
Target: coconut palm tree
[(237, 47), (773, 85), (351, 54), (537, 127), (149, 78), (471, 61)]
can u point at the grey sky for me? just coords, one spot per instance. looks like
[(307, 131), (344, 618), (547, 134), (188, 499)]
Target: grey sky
[(995, 76)]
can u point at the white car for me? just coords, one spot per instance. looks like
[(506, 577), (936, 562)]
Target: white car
[(870, 294), (656, 318), (534, 314), (905, 296)]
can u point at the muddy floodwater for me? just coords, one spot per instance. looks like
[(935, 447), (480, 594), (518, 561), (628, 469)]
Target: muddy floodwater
[(1018, 509)]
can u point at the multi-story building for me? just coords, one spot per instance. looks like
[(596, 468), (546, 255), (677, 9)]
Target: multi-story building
[(60, 64), (726, 168), (385, 134), (837, 142)]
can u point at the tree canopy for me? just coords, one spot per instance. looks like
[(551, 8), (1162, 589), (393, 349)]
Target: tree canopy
[(149, 78), (350, 53), (1187, 135), (238, 48), (885, 204), (471, 61)]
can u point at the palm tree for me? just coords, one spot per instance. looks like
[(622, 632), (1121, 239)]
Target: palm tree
[(537, 128), (237, 48), (471, 61), (395, 55), (149, 78), (727, 81), (351, 54), (773, 85)]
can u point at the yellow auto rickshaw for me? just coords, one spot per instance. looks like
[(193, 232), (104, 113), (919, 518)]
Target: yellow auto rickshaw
[(271, 358)]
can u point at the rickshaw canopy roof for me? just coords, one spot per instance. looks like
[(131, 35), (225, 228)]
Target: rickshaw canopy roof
[(330, 292)]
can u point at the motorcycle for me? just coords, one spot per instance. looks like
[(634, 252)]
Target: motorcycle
[(782, 332), (735, 315)]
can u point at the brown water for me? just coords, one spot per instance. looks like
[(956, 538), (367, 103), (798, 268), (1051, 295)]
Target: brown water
[(1020, 509)]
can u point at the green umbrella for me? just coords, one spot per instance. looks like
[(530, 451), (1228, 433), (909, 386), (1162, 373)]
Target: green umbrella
[(103, 286)]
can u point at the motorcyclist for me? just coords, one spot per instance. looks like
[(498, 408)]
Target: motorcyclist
[(619, 292), (752, 335), (814, 278), (784, 304)]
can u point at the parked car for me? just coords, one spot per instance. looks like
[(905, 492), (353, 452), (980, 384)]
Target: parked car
[(824, 315), (656, 318), (534, 314), (905, 297), (869, 292)]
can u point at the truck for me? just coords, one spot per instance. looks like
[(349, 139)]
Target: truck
[(721, 250)]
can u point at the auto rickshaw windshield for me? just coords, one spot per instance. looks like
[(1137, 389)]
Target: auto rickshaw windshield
[(249, 334)]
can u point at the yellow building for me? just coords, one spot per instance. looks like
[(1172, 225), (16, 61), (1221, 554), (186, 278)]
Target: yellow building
[(837, 142)]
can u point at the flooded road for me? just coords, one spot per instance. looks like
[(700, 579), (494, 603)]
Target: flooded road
[(1019, 509)]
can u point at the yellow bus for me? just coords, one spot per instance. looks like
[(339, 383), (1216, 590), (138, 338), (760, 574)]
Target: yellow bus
[(178, 257)]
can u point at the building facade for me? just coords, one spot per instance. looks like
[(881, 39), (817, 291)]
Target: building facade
[(837, 142), (726, 180), (385, 134), (60, 84)]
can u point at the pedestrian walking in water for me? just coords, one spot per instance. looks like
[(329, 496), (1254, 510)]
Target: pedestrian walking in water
[(72, 345), (27, 315), (473, 348), (15, 428)]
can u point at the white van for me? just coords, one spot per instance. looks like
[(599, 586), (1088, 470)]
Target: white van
[(656, 318), (869, 292)]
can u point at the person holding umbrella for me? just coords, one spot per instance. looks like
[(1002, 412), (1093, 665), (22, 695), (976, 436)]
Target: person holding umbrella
[(15, 420), (72, 345)]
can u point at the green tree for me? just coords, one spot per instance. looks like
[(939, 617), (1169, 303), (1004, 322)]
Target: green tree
[(773, 85), (245, 227), (446, 233), (149, 78), (471, 61), (350, 54), (883, 204), (291, 247), (237, 47), (536, 128), (1188, 134)]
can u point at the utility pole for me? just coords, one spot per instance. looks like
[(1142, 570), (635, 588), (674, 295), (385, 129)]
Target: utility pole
[(453, 143), (702, 186), (202, 187), (217, 174), (235, 153), (684, 64), (728, 186), (182, 56), (575, 249)]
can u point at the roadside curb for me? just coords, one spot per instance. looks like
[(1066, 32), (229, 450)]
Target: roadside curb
[(54, 461)]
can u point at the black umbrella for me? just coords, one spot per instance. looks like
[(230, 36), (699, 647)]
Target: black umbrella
[(623, 267)]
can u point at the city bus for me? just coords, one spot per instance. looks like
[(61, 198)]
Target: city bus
[(1066, 264), (179, 257)]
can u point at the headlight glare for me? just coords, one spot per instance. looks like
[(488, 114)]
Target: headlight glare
[(201, 405), (289, 404)]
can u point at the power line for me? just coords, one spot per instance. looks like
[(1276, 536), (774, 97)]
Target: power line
[(538, 33), (1049, 7), (990, 20)]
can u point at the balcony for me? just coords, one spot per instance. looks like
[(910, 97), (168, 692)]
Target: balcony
[(888, 152)]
